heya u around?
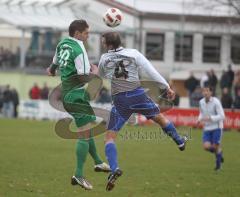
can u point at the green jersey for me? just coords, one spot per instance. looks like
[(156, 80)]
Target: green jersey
[(72, 59)]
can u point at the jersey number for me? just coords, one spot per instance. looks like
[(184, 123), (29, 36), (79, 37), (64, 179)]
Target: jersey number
[(64, 55), (120, 70)]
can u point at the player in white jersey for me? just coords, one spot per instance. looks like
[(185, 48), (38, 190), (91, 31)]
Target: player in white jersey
[(211, 116), (122, 66)]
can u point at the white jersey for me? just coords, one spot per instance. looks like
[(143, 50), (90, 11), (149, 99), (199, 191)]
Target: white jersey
[(122, 67), (214, 110)]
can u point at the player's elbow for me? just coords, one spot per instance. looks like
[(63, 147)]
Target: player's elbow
[(222, 116)]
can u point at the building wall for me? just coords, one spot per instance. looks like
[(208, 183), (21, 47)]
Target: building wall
[(197, 30)]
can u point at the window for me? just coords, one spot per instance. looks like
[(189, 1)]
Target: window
[(183, 48), (211, 49), (235, 49), (155, 46)]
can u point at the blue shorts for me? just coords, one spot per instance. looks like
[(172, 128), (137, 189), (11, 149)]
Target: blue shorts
[(212, 136), (127, 103)]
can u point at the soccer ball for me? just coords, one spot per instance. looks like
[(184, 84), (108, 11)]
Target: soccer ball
[(112, 17)]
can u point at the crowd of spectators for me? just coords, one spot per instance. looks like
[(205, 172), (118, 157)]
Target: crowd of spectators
[(7, 58), (9, 98), (229, 84), (9, 101), (39, 93), (104, 96)]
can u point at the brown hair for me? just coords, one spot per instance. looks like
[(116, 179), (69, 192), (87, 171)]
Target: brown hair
[(112, 38), (77, 25)]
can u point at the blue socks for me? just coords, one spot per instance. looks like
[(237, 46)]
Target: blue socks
[(218, 159), (111, 154), (211, 150), (171, 131)]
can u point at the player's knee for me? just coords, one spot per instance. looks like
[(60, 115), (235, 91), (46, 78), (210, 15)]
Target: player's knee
[(110, 136), (161, 120), (206, 146)]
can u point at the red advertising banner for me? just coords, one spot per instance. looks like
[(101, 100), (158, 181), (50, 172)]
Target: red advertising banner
[(188, 117)]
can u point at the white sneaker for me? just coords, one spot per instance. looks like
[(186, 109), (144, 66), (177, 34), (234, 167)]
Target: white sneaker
[(82, 182), (103, 167)]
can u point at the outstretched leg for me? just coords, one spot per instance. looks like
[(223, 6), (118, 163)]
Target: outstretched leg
[(169, 128)]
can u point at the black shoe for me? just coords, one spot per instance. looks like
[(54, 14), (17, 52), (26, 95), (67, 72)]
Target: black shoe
[(222, 159), (112, 178), (217, 168), (82, 182), (183, 145)]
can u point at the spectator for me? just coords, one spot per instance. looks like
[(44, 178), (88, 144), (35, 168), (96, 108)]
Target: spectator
[(226, 99), (7, 103), (230, 74), (34, 92), (104, 96), (213, 81), (191, 83), (237, 83), (196, 97), (237, 90), (236, 103), (1, 98), (205, 79), (225, 81), (15, 100), (44, 92)]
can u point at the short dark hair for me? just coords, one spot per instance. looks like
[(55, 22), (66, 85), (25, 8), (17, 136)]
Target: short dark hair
[(77, 25), (112, 38), (207, 85)]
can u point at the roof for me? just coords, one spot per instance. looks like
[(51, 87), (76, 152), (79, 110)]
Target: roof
[(180, 7), (55, 15)]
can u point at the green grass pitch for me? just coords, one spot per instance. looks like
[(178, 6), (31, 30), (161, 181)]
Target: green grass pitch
[(36, 162)]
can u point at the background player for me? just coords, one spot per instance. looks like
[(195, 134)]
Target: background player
[(72, 60), (211, 116), (122, 66)]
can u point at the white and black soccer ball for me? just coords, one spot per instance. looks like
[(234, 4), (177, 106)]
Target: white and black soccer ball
[(113, 17)]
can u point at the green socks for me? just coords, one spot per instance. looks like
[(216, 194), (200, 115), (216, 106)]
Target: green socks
[(93, 151), (82, 149), (81, 152)]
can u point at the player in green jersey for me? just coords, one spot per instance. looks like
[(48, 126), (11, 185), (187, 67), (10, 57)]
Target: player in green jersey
[(72, 60)]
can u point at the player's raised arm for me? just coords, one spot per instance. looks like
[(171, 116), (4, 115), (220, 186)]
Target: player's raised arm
[(150, 70), (153, 73), (51, 70)]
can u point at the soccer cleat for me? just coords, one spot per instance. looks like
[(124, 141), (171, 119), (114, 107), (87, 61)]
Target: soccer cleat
[(112, 178), (183, 145), (218, 167), (103, 167), (82, 182), (222, 160)]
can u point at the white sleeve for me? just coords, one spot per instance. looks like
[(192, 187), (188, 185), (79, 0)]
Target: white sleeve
[(80, 65), (220, 113), (200, 116), (101, 67), (54, 61), (148, 68)]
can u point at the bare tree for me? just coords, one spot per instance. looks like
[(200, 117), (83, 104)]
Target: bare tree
[(231, 7)]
